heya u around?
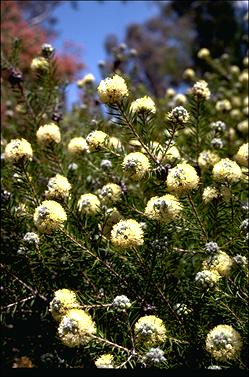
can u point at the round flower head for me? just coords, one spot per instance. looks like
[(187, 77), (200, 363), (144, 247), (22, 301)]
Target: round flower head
[(210, 193), (242, 155), (217, 143), (218, 126), (127, 233), (188, 74), (18, 150), (223, 343), (154, 356), (135, 165), (150, 330), (203, 53), (58, 187), (63, 300), (76, 328), (163, 209), (220, 262), (143, 105), (223, 105), (170, 92), (207, 159), (96, 140), (87, 79), (211, 247), (48, 133), (179, 115), (105, 361), (171, 155), (240, 260), (49, 216), (39, 64), (207, 278), (121, 302), (31, 238), (179, 99), (243, 77), (182, 179), (227, 170), (89, 204), (77, 145), (110, 193), (112, 90), (115, 143), (201, 90), (243, 127), (182, 309)]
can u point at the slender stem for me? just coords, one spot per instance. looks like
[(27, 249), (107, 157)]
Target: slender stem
[(30, 110), (18, 302), (197, 217), (129, 124), (169, 142), (109, 343), (197, 129), (125, 362)]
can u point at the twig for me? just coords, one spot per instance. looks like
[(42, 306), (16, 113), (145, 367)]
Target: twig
[(197, 216), (109, 343), (18, 302)]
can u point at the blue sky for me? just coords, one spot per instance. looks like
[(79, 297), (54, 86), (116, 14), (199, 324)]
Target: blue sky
[(91, 23)]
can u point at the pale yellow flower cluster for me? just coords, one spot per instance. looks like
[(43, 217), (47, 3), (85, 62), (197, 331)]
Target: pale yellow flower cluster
[(105, 361), (115, 143), (179, 115), (77, 145), (96, 140), (207, 278), (163, 209), (76, 328), (127, 233), (203, 53), (110, 193), (179, 99), (58, 187), (223, 105), (64, 300), (143, 105), (242, 155), (243, 126), (188, 74), (149, 331), (49, 216), (201, 90), (48, 133), (39, 64), (87, 79), (207, 159), (113, 216), (135, 165), (220, 262), (210, 193), (227, 170), (182, 179), (112, 90), (18, 150), (224, 343), (89, 204)]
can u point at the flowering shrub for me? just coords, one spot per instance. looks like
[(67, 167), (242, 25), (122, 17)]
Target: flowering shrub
[(125, 226)]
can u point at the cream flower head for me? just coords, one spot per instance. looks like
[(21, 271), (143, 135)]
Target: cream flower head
[(163, 209), (96, 140), (112, 90), (207, 159), (76, 328), (64, 300), (143, 105), (49, 216), (58, 187), (182, 179), (105, 361), (18, 150), (89, 204), (220, 262), (127, 233), (179, 115), (77, 145), (203, 53), (135, 165), (201, 90), (227, 170), (150, 331), (48, 133), (39, 64), (223, 343), (242, 155), (110, 193)]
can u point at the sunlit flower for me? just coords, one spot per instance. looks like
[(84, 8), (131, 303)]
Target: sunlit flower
[(110, 193), (220, 261), (178, 115), (207, 159), (87, 79), (64, 300), (163, 209), (58, 187), (207, 278), (77, 145), (112, 90), (48, 133), (127, 233), (224, 343), (39, 64), (89, 204), (227, 170), (182, 179), (150, 331), (105, 361), (223, 105), (243, 126), (203, 53), (135, 165), (96, 140), (188, 74), (201, 90), (49, 216), (242, 155), (143, 105), (18, 150), (210, 193)]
